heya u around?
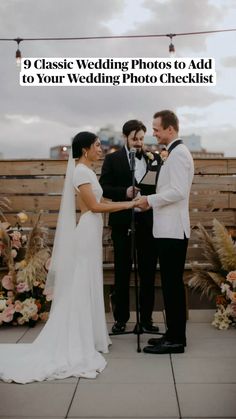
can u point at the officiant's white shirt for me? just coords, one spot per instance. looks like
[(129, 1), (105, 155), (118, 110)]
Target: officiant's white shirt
[(140, 166)]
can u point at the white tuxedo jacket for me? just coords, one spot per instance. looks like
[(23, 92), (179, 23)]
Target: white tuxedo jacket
[(170, 203)]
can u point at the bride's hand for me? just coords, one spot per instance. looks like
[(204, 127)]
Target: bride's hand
[(129, 204)]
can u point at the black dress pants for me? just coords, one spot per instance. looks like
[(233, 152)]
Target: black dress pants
[(172, 255), (146, 260)]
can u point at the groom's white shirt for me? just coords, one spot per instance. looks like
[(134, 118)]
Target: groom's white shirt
[(170, 203)]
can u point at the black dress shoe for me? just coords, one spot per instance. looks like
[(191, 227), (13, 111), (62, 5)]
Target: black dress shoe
[(149, 327), (165, 348), (118, 327), (159, 341)]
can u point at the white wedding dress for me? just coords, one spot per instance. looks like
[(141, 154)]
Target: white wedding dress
[(75, 333)]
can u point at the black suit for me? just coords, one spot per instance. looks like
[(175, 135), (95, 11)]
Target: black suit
[(116, 177)]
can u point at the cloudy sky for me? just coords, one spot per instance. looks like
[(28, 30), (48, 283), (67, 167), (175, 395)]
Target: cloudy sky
[(32, 119)]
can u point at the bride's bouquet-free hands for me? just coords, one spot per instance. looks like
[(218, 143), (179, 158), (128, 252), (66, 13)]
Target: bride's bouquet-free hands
[(141, 202)]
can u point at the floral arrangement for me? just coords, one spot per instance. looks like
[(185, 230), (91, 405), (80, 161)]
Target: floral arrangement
[(226, 303), (26, 258), (217, 280)]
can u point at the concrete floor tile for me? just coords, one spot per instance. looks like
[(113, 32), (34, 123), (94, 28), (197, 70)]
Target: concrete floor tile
[(124, 400), (207, 400), (12, 334), (37, 399), (197, 348), (32, 333), (205, 370), (201, 316), (206, 330), (129, 371)]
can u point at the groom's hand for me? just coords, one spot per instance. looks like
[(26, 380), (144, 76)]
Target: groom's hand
[(131, 192), (142, 203)]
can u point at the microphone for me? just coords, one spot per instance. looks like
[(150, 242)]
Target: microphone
[(132, 154)]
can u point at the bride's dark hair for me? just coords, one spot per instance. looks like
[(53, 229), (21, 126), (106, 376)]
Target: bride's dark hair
[(82, 140)]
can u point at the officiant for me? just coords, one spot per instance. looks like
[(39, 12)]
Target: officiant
[(116, 181)]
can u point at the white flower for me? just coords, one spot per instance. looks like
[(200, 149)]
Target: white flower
[(224, 287), (2, 304), (22, 217), (149, 155)]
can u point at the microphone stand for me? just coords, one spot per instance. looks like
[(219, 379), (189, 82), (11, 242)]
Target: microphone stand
[(138, 328)]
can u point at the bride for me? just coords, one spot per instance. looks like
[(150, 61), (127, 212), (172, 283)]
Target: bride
[(71, 342)]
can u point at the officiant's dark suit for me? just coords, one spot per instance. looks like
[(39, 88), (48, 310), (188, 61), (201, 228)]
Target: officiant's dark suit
[(116, 181)]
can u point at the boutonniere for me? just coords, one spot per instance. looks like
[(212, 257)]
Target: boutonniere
[(149, 155), (164, 155)]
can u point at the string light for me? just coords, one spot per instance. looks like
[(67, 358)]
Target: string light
[(171, 46), (86, 38), (18, 53)]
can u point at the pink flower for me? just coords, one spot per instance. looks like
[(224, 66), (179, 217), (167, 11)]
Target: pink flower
[(8, 313), (232, 296), (44, 316), (22, 287), (7, 282), (10, 294), (16, 239), (233, 309), (231, 277), (18, 306)]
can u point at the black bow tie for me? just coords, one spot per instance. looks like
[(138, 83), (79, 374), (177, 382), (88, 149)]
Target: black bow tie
[(139, 155)]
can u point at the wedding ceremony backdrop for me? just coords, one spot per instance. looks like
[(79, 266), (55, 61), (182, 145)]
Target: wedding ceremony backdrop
[(36, 185)]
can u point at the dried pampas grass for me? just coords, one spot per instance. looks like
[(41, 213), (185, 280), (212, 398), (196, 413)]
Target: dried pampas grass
[(220, 253)]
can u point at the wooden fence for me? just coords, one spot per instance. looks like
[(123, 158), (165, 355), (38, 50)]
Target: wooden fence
[(34, 185)]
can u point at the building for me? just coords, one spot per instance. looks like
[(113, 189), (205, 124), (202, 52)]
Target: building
[(60, 152), (112, 140)]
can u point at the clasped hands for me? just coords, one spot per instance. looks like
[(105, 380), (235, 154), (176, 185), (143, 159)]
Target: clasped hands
[(139, 201)]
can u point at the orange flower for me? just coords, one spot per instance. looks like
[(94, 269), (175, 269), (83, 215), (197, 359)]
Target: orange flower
[(220, 300), (38, 304), (231, 277)]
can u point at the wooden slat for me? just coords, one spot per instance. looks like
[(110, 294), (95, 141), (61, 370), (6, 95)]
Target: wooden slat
[(211, 166), (31, 186), (228, 218), (32, 167), (57, 167), (213, 184), (209, 202), (232, 166), (38, 202), (232, 201)]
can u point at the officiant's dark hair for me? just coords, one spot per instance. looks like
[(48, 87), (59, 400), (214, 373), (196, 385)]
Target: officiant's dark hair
[(133, 125), (82, 140)]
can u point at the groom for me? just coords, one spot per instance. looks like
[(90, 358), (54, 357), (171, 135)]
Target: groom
[(171, 228), (116, 181)]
